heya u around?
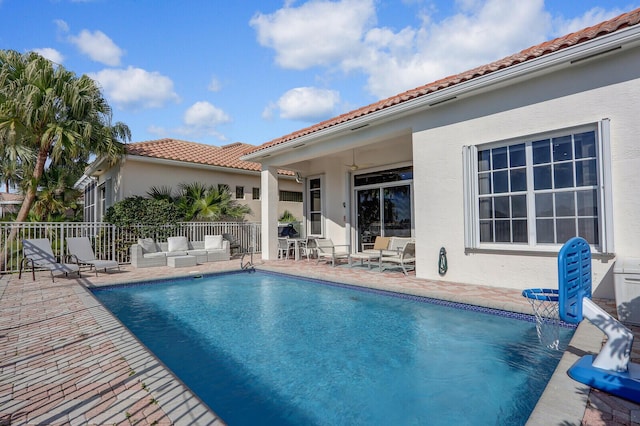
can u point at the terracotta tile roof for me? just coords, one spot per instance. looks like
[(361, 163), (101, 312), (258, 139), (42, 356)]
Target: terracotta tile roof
[(623, 21), (197, 153)]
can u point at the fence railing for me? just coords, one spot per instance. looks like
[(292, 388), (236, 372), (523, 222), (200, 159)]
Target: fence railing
[(112, 242)]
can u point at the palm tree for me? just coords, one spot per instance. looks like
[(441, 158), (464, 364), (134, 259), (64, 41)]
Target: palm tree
[(161, 193), (14, 158), (58, 116), (56, 198), (209, 203)]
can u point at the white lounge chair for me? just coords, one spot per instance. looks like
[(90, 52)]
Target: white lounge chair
[(79, 248), (405, 258), (327, 250), (37, 253)]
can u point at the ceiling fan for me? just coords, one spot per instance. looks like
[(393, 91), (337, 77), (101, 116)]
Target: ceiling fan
[(355, 166)]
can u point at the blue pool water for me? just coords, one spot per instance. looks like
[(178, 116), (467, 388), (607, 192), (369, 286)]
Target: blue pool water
[(266, 348)]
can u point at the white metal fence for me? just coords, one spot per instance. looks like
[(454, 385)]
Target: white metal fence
[(113, 243)]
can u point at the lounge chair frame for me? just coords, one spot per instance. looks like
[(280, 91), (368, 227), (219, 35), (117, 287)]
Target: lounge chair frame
[(37, 253), (81, 251)]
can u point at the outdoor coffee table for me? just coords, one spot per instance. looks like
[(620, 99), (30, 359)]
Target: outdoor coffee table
[(363, 256), (181, 261)]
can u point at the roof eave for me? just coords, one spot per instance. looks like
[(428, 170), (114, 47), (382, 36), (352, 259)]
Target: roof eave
[(627, 37)]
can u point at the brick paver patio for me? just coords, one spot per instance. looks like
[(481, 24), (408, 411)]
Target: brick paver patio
[(64, 360)]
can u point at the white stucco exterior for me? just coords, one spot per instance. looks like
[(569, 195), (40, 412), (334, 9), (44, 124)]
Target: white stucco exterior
[(571, 88), (136, 175), (582, 94)]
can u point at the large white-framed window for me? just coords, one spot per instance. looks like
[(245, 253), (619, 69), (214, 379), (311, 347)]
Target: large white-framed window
[(538, 191), (315, 206)]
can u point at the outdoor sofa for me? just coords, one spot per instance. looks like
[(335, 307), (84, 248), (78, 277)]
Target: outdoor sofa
[(149, 253)]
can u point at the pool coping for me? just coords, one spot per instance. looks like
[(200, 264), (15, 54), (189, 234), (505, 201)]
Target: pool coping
[(563, 401)]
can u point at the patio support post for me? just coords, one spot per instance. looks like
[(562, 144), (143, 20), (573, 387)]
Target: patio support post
[(269, 205)]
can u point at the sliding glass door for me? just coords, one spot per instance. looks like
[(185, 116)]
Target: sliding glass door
[(383, 205)]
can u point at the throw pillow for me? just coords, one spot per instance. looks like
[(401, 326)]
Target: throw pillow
[(177, 244), (213, 242), (148, 245)]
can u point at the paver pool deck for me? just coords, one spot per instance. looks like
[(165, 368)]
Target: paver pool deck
[(65, 360)]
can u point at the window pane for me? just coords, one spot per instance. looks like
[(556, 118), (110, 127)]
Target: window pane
[(544, 205), (566, 229), (562, 149), (314, 183), (520, 232), (501, 207), (483, 161), (588, 229), (542, 177), (484, 183), (544, 231), (563, 175), (565, 204), (503, 231), (500, 182), (315, 201), (486, 231), (587, 203), (484, 208), (541, 152), (586, 174), (585, 144), (316, 224), (516, 155), (518, 180), (519, 206), (499, 157)]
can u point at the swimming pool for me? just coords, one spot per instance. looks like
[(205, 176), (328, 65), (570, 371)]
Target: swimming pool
[(273, 349)]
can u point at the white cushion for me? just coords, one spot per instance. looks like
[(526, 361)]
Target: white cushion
[(213, 242), (177, 244), (176, 253), (148, 245), (155, 254)]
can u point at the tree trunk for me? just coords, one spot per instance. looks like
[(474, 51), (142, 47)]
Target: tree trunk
[(29, 198)]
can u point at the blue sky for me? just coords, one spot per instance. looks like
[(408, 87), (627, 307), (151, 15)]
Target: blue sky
[(219, 72)]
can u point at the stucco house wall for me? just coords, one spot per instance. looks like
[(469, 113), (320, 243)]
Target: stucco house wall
[(136, 176), (607, 87)]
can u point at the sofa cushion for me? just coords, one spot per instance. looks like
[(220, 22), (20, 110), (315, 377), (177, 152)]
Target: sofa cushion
[(148, 245), (213, 242), (176, 253), (154, 254), (177, 244), (196, 252)]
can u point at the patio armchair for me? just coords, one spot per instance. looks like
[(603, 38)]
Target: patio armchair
[(405, 258), (79, 248), (234, 243), (325, 249), (285, 247), (37, 253)]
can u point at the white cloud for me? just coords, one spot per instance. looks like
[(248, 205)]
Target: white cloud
[(307, 104), (316, 33), (98, 46), (591, 17), (203, 114), (202, 119), (394, 60), (214, 85), (61, 25), (136, 88), (51, 54), (479, 33)]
